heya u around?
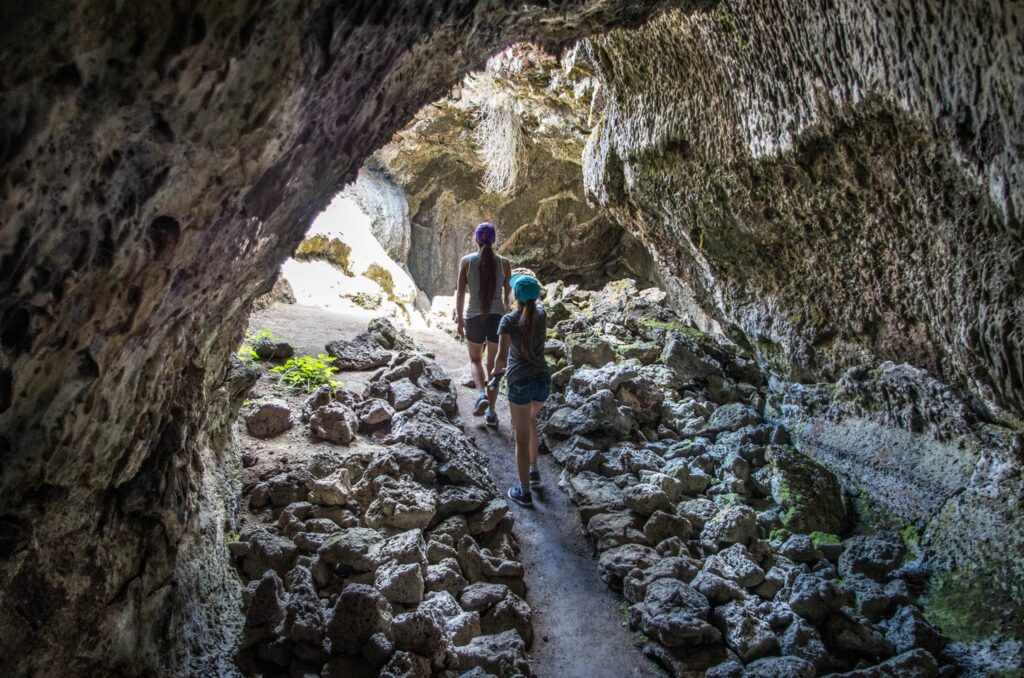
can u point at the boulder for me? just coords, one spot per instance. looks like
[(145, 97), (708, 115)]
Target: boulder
[(734, 524), (354, 548), (779, 667), (587, 381), (594, 494), (908, 629), (812, 597), (509, 613), (359, 613), (743, 632), (589, 349), (265, 611), (481, 596), (401, 504), (403, 393), (731, 417), (645, 499), (674, 614), (363, 352), (614, 564), (374, 414), (599, 413), (331, 490), (305, 618), (684, 356), (615, 529), (268, 418), (917, 663), (334, 423), (735, 564), (404, 665), (807, 491), (400, 583), (875, 556), (662, 525), (268, 551), (502, 655), (272, 349)]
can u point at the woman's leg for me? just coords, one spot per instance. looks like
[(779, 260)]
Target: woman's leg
[(523, 422), (476, 368), (492, 355)]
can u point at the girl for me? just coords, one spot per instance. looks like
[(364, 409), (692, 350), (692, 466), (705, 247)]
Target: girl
[(522, 334), (486, 276)]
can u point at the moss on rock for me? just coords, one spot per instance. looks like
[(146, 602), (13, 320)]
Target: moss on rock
[(327, 249)]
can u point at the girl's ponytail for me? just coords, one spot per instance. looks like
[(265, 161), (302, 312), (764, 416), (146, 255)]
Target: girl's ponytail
[(527, 326), (488, 265)]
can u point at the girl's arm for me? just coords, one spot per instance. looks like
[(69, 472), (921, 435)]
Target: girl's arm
[(504, 341)]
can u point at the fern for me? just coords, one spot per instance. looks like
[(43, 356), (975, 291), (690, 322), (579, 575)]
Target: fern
[(308, 373)]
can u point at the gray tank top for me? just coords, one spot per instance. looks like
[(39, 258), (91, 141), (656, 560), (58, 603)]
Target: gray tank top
[(473, 275)]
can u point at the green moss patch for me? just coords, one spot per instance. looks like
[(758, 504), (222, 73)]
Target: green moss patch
[(824, 538), (382, 277), (327, 249)]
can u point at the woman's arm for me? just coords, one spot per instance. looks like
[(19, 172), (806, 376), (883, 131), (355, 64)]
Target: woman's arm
[(460, 298), (505, 264)]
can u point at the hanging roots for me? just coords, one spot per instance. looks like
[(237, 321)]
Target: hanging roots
[(499, 141)]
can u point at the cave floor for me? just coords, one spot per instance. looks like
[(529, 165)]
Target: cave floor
[(578, 630)]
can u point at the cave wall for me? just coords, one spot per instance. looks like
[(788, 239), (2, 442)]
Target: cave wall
[(840, 185), (546, 222), (158, 163)]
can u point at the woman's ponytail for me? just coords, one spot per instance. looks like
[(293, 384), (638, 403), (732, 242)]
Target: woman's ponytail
[(527, 326), (488, 266)]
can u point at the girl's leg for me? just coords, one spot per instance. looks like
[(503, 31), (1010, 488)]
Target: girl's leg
[(523, 422), (534, 436)]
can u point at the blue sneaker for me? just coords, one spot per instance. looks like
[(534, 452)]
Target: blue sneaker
[(491, 418), (516, 494), (481, 405)]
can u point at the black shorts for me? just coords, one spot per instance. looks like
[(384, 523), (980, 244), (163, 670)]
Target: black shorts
[(482, 327)]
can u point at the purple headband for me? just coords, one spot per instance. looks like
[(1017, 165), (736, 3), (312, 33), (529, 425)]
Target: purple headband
[(485, 234)]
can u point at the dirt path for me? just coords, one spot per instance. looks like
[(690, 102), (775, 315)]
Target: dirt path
[(578, 632)]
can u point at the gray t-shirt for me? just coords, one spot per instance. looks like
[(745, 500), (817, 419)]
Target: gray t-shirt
[(473, 278), (518, 367)]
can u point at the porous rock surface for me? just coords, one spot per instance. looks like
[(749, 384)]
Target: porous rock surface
[(158, 164), (386, 547)]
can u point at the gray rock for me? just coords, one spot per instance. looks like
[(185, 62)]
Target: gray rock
[(615, 529), (594, 494), (400, 583), (487, 518), (802, 640), (716, 589), (908, 629), (807, 491), (616, 563), (268, 418), (359, 613), (916, 663), (683, 355), (661, 526), (481, 596), (780, 667), (600, 413), (847, 631), (743, 633), (588, 349), (681, 568), (423, 633), (354, 548), (455, 499), (305, 618), (378, 649), (405, 665), (403, 393), (674, 614), (691, 661), (332, 490), (405, 548), (735, 524), (346, 667), (509, 613), (697, 511), (265, 612), (402, 460), (268, 551), (873, 600), (875, 556), (363, 352), (445, 576), (503, 655), (272, 349), (588, 381), (374, 413), (401, 504), (735, 564), (731, 417), (334, 423), (812, 597), (645, 499)]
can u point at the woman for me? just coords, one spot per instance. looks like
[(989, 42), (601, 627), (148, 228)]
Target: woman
[(522, 334), (486, 276)]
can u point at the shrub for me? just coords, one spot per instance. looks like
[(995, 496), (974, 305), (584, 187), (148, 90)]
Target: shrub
[(308, 373)]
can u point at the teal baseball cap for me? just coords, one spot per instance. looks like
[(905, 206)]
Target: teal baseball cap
[(525, 287)]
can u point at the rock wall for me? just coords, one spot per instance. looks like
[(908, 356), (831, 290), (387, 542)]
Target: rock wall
[(545, 223), (841, 185), (158, 163)]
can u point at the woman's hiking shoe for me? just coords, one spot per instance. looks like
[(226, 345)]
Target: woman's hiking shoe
[(516, 494), (481, 405), (534, 476), (491, 418)]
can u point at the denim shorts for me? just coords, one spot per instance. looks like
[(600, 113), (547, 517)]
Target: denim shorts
[(480, 328), (535, 388)]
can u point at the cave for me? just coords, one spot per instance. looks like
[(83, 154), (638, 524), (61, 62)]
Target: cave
[(799, 221)]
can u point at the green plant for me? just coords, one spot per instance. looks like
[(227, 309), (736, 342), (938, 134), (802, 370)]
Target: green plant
[(308, 373), (331, 250), (246, 353)]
